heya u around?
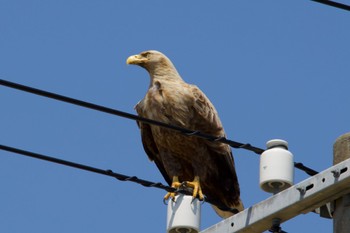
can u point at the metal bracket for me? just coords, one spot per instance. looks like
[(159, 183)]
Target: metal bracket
[(315, 192)]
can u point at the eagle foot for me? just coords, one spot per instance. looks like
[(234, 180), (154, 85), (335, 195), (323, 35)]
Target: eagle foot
[(175, 184), (197, 190), (194, 186)]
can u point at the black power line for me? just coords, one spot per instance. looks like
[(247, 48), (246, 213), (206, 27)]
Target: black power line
[(184, 131), (128, 115), (110, 173), (333, 4), (87, 168)]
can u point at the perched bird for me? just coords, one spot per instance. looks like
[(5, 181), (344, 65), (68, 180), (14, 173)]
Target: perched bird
[(205, 166)]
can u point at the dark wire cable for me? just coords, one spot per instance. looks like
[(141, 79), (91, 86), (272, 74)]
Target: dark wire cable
[(184, 131), (333, 4), (118, 176), (108, 172), (100, 108)]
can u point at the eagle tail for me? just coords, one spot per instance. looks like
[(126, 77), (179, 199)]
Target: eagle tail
[(226, 213)]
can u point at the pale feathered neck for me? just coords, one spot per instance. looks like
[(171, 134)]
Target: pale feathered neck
[(163, 70)]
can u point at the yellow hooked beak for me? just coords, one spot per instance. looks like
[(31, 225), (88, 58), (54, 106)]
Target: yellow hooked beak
[(135, 59)]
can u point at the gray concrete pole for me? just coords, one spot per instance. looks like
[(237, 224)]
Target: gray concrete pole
[(341, 215)]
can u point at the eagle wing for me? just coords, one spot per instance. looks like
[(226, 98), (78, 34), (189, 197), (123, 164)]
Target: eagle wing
[(150, 147), (205, 119)]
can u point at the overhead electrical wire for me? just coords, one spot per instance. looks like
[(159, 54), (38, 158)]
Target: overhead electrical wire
[(128, 115), (184, 131), (333, 4), (110, 173), (118, 176)]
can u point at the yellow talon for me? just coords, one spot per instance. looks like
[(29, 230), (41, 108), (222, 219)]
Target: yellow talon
[(175, 184), (197, 190), (195, 185)]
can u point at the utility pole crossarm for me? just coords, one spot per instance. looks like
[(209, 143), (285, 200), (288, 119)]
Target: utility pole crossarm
[(303, 197)]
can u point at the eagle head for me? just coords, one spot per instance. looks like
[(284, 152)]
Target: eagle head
[(156, 63), (146, 59)]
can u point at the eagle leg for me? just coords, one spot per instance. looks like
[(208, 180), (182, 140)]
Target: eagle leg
[(197, 190), (175, 184)]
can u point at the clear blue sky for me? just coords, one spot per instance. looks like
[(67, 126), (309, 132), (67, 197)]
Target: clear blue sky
[(273, 69)]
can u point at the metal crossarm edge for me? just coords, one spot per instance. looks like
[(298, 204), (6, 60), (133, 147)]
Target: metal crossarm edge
[(303, 197)]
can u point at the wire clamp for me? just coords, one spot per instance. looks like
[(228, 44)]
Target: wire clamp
[(336, 173), (302, 190), (276, 226)]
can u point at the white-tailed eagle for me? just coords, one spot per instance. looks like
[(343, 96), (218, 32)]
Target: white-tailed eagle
[(208, 167)]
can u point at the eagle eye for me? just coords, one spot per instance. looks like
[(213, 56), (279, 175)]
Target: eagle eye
[(146, 55)]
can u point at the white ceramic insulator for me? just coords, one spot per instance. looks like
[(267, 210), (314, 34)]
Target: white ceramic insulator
[(183, 215), (276, 167)]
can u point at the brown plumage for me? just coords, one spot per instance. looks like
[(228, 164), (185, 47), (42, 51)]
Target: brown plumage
[(181, 158)]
